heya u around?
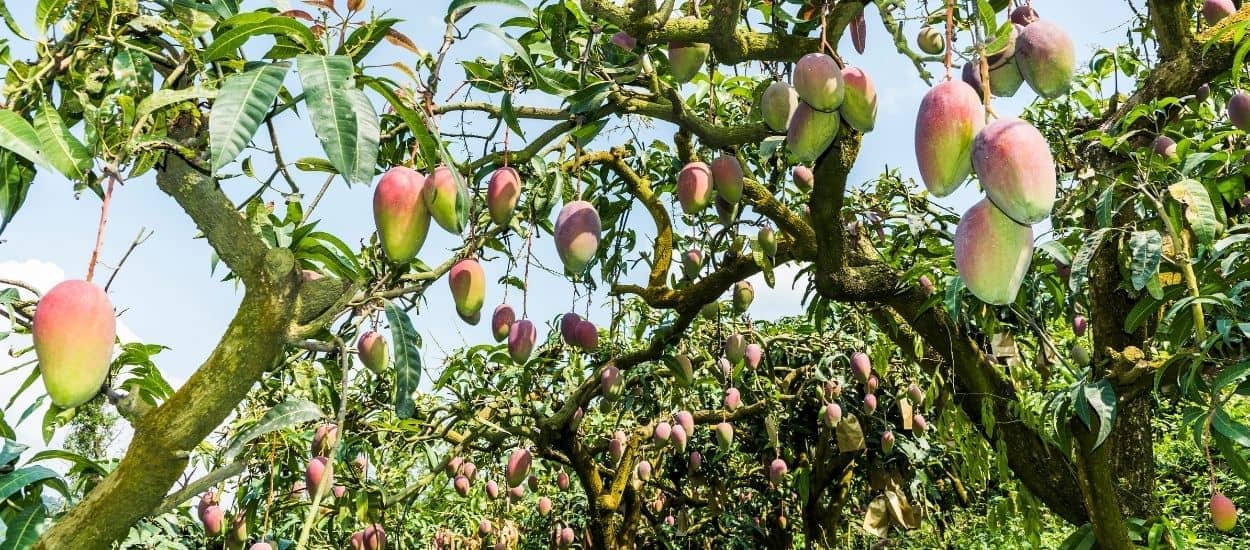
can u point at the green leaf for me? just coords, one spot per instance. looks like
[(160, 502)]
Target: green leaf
[(1198, 209), (20, 137), (48, 12), (10, 450), (24, 529), (10, 22), (407, 359), (1080, 264), (1101, 397), (1146, 248), (368, 134), (15, 180), (1232, 456), (61, 149), (83, 463), (520, 50), (509, 116), (247, 25), (1235, 431), (457, 8), (365, 38), (326, 80), (166, 97), (286, 413), (1228, 375), (415, 120), (242, 103), (14, 481)]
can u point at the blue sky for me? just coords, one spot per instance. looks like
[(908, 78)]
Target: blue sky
[(169, 297)]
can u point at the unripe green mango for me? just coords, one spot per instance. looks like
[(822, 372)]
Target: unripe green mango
[(440, 196), (468, 289)]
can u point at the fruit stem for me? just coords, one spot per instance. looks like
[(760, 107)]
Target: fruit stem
[(950, 31)]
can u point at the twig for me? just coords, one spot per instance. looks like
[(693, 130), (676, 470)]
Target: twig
[(104, 216), (277, 157), (139, 239), (317, 199), (23, 285)]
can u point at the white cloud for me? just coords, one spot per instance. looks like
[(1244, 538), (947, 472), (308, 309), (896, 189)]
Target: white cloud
[(785, 298)]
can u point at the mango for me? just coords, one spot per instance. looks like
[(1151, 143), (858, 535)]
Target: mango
[(587, 336), (992, 253), (518, 467), (616, 445), (777, 471), (521, 338), (577, 235), (686, 59), (374, 537), (859, 107), (735, 348), (767, 239), (915, 394), (682, 369), (643, 470), (727, 175), (325, 438), (804, 180), (567, 536), (661, 433), (691, 263), (694, 187), (608, 379), (1046, 57), (818, 81), (1016, 169), (461, 484), (1005, 80), (887, 442), (733, 399), (832, 414), (1165, 147), (440, 195), (725, 212), (318, 476), (754, 355), (372, 350), (400, 213), (492, 489), (696, 460), (744, 294), (501, 321), (949, 117), (1239, 111), (861, 366), (468, 289), (919, 424), (679, 438), (811, 132), (1024, 15), (870, 403), (544, 506), (1223, 512), (214, 518), (73, 331), (562, 481), (624, 41), (931, 41), (778, 105), (724, 435), (1215, 10), (501, 195)]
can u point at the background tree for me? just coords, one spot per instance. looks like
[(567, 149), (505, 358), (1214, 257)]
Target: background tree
[(1146, 238)]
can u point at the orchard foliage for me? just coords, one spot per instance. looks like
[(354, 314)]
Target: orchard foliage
[(946, 368)]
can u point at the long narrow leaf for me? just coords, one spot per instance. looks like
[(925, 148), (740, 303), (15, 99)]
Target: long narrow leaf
[(287, 413), (23, 530), (326, 80), (240, 107), (60, 148), (407, 360)]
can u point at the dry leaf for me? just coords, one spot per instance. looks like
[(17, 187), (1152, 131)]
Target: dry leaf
[(323, 4), (399, 39), (877, 517), (355, 5), (905, 409), (859, 31), (297, 14), (1003, 345), (850, 435), (902, 512)]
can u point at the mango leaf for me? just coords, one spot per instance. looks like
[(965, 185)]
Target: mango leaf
[(1232, 456), (48, 12), (10, 450), (166, 97), (1198, 209), (81, 462), (1235, 431), (14, 481), (368, 134), (365, 38), (20, 137), (11, 23), (247, 25), (326, 80), (522, 52), (407, 359), (1146, 248), (60, 148), (1101, 397), (242, 103), (1080, 263), (286, 413), (24, 529), (15, 180), (457, 8), (416, 121)]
